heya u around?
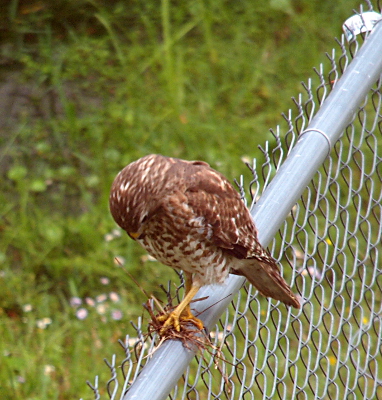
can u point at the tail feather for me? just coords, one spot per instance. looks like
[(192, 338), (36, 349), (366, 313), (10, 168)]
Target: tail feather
[(267, 280)]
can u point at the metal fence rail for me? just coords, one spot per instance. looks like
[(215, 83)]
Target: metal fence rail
[(327, 169)]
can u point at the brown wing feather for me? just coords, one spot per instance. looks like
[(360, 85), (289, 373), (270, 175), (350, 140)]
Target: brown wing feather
[(214, 198)]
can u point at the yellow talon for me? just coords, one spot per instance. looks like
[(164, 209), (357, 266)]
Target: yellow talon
[(183, 311), (173, 319)]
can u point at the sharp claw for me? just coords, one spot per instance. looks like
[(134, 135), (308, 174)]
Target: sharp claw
[(174, 320)]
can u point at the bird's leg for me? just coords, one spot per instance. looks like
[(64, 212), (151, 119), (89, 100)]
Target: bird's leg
[(186, 313), (183, 310)]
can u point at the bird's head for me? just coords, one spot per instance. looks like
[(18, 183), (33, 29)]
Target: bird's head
[(134, 193)]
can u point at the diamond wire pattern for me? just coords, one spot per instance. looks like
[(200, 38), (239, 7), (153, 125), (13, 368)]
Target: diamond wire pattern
[(330, 251)]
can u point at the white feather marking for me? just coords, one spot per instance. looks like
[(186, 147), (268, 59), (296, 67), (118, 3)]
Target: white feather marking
[(197, 222), (124, 186), (144, 174)]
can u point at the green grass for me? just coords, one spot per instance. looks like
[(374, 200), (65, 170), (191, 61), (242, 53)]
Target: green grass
[(110, 82)]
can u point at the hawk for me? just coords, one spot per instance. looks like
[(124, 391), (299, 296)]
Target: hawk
[(188, 216)]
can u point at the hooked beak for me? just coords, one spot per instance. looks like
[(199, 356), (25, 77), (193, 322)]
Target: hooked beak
[(134, 235)]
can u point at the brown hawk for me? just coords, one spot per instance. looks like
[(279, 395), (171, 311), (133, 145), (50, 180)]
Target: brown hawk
[(189, 217)]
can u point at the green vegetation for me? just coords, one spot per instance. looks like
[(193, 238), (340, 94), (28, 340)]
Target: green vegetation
[(98, 84)]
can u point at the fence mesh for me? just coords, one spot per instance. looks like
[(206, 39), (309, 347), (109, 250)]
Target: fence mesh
[(329, 249)]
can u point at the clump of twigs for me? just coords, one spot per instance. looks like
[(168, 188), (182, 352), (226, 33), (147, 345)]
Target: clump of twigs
[(189, 334)]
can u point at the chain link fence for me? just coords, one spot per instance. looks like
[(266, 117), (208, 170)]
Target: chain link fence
[(329, 248)]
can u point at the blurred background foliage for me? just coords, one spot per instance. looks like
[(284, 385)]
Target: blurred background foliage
[(88, 86)]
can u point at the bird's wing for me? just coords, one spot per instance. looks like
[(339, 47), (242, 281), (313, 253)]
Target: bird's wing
[(216, 201), (213, 198)]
